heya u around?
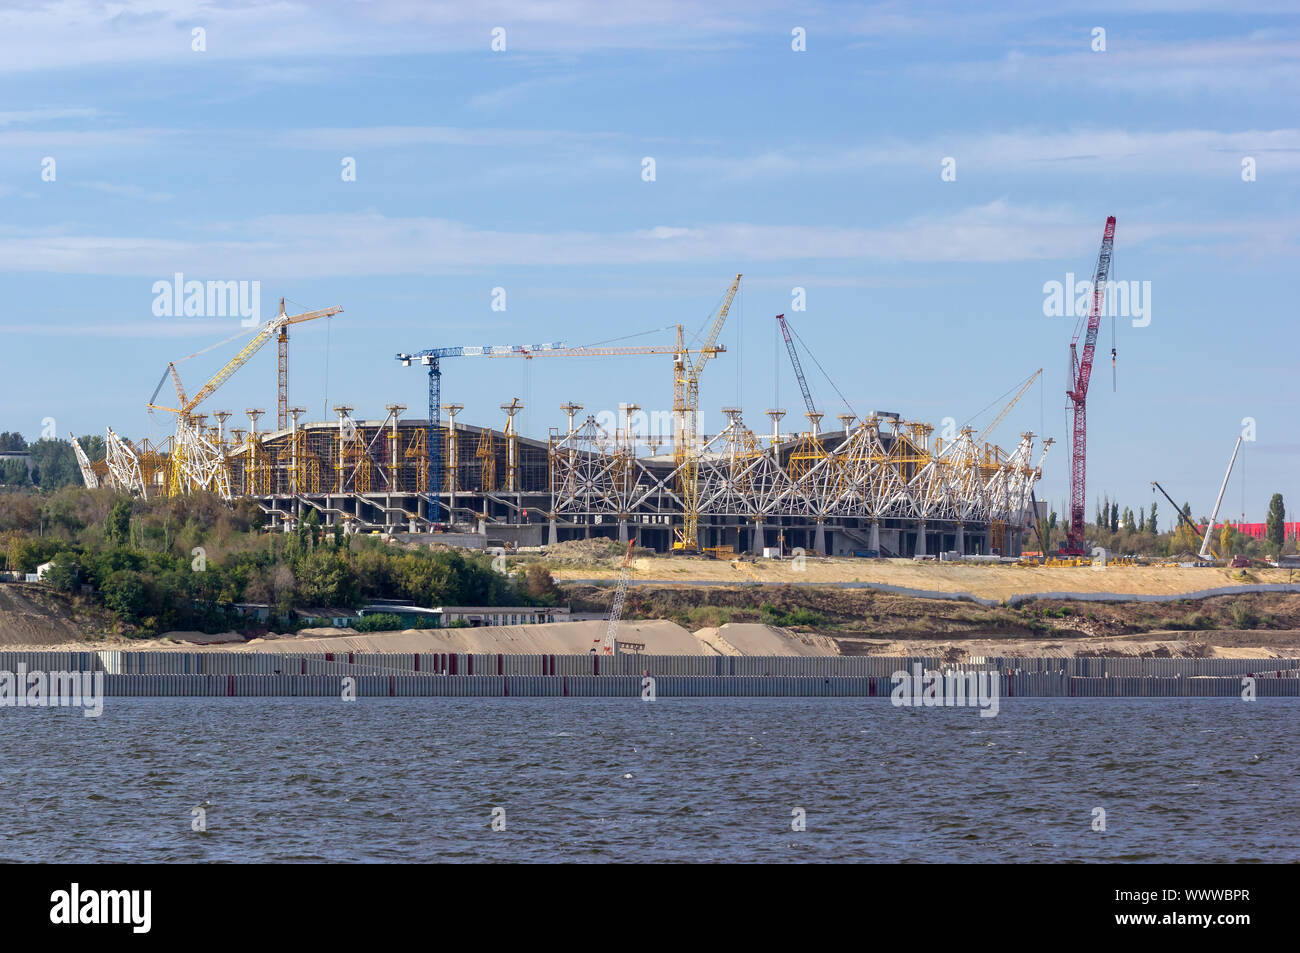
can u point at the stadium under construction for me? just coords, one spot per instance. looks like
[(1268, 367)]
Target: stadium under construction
[(877, 485)]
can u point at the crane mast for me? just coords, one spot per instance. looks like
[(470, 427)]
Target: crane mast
[(686, 410), (1081, 371)]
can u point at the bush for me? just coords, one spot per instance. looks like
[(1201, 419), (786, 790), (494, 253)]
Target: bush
[(707, 617), (1243, 616), (391, 622), (797, 617), (126, 595), (65, 572)]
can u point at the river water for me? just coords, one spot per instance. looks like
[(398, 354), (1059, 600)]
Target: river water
[(420, 779)]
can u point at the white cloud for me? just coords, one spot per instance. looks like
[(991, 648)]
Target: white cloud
[(45, 115), (1082, 150), (75, 34), (332, 245)]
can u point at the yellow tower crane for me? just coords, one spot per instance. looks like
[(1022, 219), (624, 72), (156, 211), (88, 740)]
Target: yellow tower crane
[(686, 409), (197, 463)]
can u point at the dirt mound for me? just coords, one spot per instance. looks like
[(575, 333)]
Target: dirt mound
[(962, 651), (559, 638), (589, 552), (749, 638), (34, 615)]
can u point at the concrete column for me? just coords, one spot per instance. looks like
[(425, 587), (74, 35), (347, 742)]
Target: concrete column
[(961, 539), (622, 531), (552, 534), (920, 538), (820, 544), (875, 535), (756, 539)]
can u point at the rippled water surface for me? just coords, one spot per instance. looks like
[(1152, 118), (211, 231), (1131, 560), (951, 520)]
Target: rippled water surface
[(678, 779)]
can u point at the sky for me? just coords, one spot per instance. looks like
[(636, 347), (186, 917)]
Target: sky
[(923, 172)]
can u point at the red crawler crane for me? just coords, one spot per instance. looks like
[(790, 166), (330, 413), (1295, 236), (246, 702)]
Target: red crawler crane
[(1081, 370)]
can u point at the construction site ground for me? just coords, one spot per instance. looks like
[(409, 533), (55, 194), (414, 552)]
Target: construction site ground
[(684, 605), (990, 581)]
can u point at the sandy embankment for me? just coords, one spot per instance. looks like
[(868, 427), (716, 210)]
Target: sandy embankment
[(559, 638), (985, 581), (739, 638)]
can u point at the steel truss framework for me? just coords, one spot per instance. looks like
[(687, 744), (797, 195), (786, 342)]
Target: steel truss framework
[(863, 474), (877, 471)]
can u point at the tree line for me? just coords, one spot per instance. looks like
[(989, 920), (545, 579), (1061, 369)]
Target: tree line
[(187, 563), (53, 461), (1123, 531)]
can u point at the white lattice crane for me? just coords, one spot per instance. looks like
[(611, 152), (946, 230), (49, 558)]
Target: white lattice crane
[(620, 596)]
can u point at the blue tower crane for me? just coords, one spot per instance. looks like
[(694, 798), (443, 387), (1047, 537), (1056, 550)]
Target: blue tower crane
[(433, 429)]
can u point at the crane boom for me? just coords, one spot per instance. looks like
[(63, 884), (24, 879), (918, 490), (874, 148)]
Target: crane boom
[(709, 347), (622, 351), (1182, 517), (267, 331), (620, 596), (88, 476), (1007, 409), (798, 368), (1081, 369), (1209, 528)]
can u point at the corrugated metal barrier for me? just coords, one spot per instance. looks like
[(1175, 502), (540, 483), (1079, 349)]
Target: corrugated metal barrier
[(241, 674)]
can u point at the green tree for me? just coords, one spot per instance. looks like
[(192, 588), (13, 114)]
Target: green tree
[(25, 553), (126, 595), (326, 578), (1227, 541), (92, 445), (1275, 523), (14, 473), (65, 572), (55, 463), (13, 441), (117, 527), (1152, 524)]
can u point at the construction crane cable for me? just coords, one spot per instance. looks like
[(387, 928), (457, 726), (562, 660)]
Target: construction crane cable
[(626, 337), (809, 352), (213, 347), (996, 400)]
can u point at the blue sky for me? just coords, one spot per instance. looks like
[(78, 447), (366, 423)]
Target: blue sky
[(522, 169)]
